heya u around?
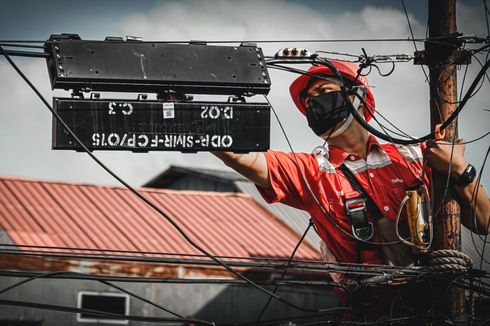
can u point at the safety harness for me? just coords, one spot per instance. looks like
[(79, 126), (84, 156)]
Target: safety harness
[(357, 207)]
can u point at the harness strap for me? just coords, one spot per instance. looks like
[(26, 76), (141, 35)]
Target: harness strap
[(370, 205), (356, 208)]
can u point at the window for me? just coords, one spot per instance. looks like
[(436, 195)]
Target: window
[(106, 302)]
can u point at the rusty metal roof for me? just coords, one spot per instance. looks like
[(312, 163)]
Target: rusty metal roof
[(297, 219), (45, 213)]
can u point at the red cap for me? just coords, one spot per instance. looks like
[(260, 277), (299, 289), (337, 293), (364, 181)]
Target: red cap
[(347, 69)]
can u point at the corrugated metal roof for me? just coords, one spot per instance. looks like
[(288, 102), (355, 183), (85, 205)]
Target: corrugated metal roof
[(34, 212), (295, 218)]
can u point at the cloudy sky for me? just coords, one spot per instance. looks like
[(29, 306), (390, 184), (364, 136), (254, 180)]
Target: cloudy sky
[(25, 124)]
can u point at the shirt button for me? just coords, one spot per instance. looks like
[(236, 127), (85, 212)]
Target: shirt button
[(352, 157), (386, 208), (371, 174)]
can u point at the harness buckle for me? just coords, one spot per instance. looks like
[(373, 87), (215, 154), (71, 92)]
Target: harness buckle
[(363, 233), (355, 204), (361, 228)]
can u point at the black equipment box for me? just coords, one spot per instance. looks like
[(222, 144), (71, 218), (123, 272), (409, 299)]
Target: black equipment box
[(146, 125), (153, 67)]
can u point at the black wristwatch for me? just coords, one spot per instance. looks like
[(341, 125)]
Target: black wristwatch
[(466, 178)]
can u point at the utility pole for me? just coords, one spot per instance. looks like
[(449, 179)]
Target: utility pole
[(441, 59)]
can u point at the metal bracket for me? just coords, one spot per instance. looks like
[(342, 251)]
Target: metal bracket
[(444, 48), (458, 57)]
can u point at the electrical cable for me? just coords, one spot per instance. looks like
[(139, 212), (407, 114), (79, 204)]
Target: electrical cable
[(487, 12), (45, 275), (407, 164), (473, 140), (102, 253), (317, 202), (264, 308), (414, 43), (434, 39), (108, 315), (431, 135), (473, 220), (161, 259), (183, 319), (341, 54), (72, 275), (12, 45), (448, 178), (399, 132), (374, 131), (143, 198), (348, 269), (276, 321), (21, 53), (270, 297)]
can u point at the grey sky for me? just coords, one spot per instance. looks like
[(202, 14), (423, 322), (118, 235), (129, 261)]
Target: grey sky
[(25, 125)]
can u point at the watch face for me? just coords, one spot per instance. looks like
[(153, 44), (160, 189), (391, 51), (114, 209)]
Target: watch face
[(467, 177), (471, 171)]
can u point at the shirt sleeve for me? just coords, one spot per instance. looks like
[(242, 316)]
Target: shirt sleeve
[(427, 170), (286, 173)]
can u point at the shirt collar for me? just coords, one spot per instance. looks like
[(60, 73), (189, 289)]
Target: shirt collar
[(337, 156)]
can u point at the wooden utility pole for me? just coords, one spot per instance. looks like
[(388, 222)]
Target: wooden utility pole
[(443, 95)]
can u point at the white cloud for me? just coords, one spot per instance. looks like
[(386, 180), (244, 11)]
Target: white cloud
[(402, 97)]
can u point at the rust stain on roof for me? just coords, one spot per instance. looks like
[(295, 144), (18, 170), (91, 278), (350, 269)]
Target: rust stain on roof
[(58, 214)]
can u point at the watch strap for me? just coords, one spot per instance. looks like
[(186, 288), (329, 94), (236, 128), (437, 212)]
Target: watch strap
[(466, 177)]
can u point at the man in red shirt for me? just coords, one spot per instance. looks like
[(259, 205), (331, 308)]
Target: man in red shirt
[(318, 184)]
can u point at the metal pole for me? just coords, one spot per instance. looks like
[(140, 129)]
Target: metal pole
[(443, 93)]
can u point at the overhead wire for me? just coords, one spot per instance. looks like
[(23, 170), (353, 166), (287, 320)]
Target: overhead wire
[(331, 218), (429, 136), (142, 197), (274, 67), (473, 220), (103, 252), (435, 39), (108, 315), (72, 275), (445, 124), (453, 142), (286, 269), (347, 268), (106, 282), (487, 13), (414, 43)]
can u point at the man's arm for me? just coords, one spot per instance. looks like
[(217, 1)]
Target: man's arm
[(438, 154), (252, 166)]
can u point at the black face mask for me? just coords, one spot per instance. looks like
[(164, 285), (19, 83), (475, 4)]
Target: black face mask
[(325, 111)]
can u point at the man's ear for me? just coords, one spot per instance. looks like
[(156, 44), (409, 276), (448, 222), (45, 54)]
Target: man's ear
[(363, 111)]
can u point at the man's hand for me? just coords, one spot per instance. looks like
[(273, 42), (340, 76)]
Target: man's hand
[(438, 155), (475, 204)]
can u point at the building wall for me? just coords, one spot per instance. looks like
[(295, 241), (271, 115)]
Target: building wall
[(219, 303)]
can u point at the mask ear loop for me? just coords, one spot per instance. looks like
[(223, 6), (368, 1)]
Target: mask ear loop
[(360, 92)]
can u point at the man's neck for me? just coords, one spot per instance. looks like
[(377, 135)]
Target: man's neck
[(354, 141)]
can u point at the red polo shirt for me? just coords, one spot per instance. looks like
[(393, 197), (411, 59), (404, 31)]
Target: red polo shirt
[(383, 175)]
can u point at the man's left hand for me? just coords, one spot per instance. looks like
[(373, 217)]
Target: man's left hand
[(438, 155)]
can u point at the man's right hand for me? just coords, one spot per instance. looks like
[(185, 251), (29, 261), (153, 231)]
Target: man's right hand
[(252, 166)]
